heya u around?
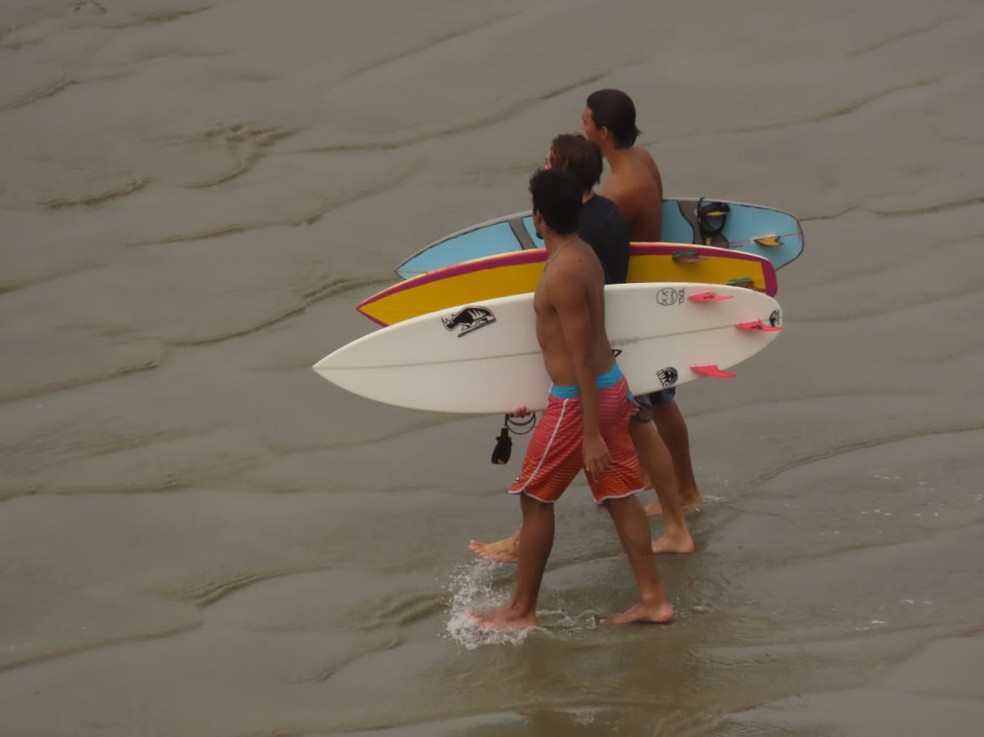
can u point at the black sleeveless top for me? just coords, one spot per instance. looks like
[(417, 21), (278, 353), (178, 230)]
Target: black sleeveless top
[(602, 227)]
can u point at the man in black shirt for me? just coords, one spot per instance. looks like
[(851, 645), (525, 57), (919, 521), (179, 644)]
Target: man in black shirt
[(601, 224)]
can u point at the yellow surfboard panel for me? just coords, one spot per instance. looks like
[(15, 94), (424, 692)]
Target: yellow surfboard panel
[(518, 272)]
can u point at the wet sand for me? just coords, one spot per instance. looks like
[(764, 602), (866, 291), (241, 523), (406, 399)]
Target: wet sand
[(199, 536)]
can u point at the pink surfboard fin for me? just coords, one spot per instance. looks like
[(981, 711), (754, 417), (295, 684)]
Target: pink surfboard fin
[(757, 326), (710, 297), (712, 370)]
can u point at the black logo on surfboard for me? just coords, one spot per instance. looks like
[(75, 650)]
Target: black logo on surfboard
[(666, 297), (667, 377), (469, 319), (775, 319)]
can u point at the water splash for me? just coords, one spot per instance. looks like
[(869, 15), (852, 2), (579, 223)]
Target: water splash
[(472, 588)]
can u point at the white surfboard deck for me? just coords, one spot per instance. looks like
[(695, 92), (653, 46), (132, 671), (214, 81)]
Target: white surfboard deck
[(484, 357)]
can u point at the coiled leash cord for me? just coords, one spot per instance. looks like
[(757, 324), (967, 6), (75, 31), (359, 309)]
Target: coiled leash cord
[(503, 443)]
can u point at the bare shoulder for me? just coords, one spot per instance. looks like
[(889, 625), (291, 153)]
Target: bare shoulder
[(568, 280), (620, 189), (626, 192), (644, 155), (648, 163)]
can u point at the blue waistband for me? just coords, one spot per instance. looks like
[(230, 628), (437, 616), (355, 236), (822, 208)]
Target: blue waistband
[(607, 379)]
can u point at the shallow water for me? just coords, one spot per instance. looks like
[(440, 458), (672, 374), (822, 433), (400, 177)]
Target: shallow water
[(201, 537)]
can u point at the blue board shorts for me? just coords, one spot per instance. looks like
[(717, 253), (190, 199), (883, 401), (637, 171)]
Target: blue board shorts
[(664, 396), (645, 403)]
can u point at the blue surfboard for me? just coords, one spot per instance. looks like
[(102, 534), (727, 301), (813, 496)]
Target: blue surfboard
[(764, 231)]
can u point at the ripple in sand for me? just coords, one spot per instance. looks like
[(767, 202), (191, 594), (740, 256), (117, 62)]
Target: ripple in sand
[(298, 217), (929, 209), (313, 296), (160, 17), (428, 45), (35, 629), (37, 94), (902, 36), (48, 364), (108, 192), (26, 282), (838, 112), (243, 144), (441, 131)]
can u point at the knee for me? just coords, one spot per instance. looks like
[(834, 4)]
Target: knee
[(531, 506)]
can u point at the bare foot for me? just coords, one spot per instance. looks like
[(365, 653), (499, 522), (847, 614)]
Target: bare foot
[(690, 497), (501, 551), (678, 544), (655, 510), (644, 614), (505, 617)]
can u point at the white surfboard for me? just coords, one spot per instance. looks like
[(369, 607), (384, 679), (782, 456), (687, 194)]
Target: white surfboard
[(484, 357)]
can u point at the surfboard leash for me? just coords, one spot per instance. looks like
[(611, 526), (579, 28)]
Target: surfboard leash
[(503, 443)]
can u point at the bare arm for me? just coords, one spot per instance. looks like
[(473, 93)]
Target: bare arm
[(573, 313)]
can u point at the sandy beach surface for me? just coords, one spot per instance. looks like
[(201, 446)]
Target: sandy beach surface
[(199, 536)]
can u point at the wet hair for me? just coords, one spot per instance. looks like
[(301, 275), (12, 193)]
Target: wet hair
[(614, 110), (557, 197), (574, 153)]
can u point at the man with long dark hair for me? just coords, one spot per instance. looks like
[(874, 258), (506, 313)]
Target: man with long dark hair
[(635, 184)]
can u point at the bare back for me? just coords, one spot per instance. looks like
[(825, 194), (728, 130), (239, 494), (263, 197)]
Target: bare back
[(570, 314), (636, 186)]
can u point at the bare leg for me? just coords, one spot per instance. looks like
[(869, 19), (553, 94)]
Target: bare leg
[(673, 430), (655, 509), (538, 534), (659, 470), (633, 531), (501, 551)]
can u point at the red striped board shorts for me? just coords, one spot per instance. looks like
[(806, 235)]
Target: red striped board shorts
[(554, 456)]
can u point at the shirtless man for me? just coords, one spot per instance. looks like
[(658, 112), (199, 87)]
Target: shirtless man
[(586, 422), (636, 186), (603, 227)]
